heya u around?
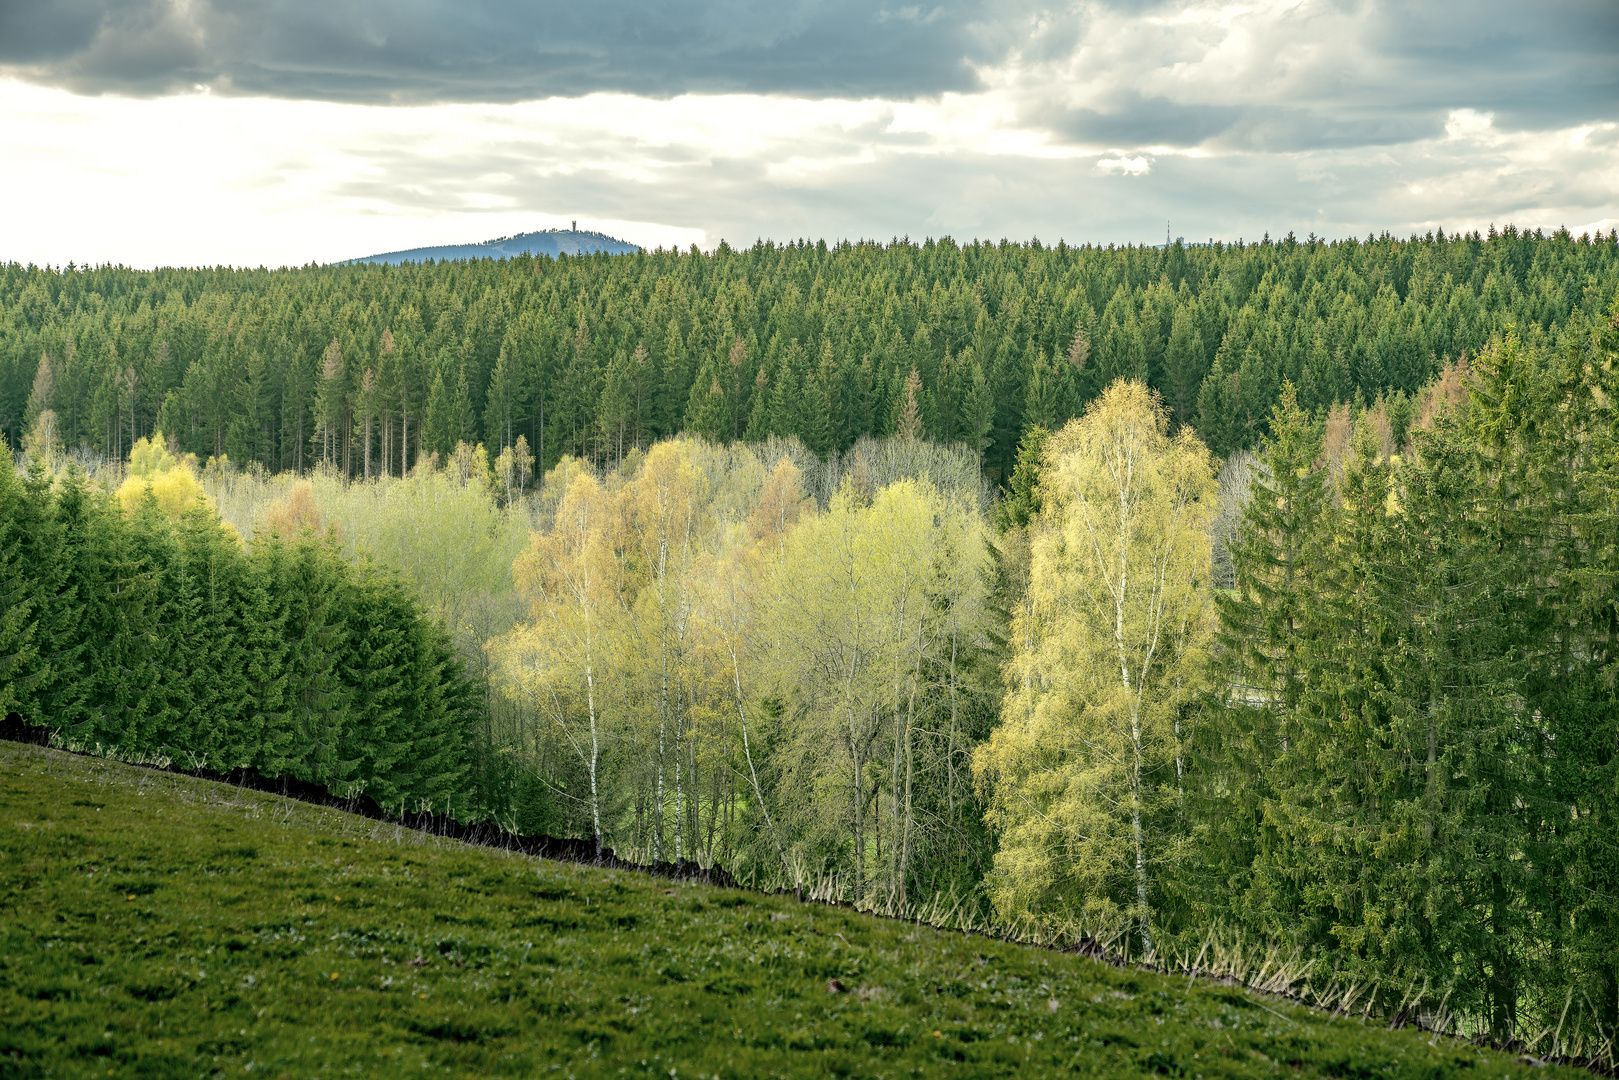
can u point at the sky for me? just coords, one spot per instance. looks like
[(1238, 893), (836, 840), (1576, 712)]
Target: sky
[(284, 132)]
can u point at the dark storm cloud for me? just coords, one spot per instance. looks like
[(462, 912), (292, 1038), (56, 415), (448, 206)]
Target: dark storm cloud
[(1132, 120), (501, 50), (1382, 72), (1535, 65), (1318, 74)]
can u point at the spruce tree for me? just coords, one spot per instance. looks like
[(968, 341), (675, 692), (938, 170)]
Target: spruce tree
[(265, 738), (439, 718), (1543, 421), (113, 634), (784, 401), (1022, 502), (312, 588), (1262, 621), (20, 667), (374, 667), (161, 643), (1313, 875), (219, 693), (60, 695), (1262, 635), (1452, 819)]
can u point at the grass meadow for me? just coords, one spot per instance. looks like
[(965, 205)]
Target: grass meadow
[(155, 925)]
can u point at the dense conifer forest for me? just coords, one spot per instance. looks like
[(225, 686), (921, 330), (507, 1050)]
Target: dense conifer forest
[(372, 367), (1259, 592)]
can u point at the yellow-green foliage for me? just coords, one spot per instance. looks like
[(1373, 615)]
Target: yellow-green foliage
[(693, 609), (171, 480), (863, 600), (446, 536), (156, 925), (1110, 644)]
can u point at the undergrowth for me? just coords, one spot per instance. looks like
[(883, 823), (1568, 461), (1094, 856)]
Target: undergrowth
[(157, 925)]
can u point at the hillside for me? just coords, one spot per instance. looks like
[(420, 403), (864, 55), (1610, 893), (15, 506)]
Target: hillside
[(157, 925), (552, 242)]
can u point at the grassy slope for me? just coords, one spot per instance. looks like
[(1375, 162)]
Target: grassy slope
[(154, 925)]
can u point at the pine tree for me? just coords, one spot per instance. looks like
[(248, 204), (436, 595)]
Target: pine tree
[(977, 406), (20, 667), (374, 666), (312, 589), (47, 547), (1262, 623)]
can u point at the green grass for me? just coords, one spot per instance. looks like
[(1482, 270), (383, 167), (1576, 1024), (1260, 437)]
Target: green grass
[(154, 925)]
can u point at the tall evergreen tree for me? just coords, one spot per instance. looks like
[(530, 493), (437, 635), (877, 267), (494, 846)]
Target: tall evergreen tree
[(21, 670)]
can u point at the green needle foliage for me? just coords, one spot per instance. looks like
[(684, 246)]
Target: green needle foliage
[(170, 639), (1410, 771), (370, 370)]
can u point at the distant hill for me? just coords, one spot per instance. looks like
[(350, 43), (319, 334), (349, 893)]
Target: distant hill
[(552, 242)]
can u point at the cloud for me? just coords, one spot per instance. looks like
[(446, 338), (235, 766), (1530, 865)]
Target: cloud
[(1260, 74), (329, 130), (202, 179), (385, 52), (1132, 166), (1296, 75)]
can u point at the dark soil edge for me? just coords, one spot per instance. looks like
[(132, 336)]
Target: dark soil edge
[(482, 834)]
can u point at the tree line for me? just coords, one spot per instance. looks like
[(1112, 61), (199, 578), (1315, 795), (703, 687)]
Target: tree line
[(371, 369)]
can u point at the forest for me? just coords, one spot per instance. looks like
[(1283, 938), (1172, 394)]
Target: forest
[(372, 368), (1261, 592)]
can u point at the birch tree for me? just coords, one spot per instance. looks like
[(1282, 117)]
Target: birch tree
[(1109, 648), (557, 659), (866, 604), (663, 509)]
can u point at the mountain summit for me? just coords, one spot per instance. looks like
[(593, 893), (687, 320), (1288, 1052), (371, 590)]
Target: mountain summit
[(552, 242)]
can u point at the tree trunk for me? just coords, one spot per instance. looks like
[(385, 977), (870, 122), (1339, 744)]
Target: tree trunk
[(595, 756)]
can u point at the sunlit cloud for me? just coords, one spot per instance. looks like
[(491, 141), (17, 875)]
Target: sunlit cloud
[(1093, 122), (1127, 166)]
